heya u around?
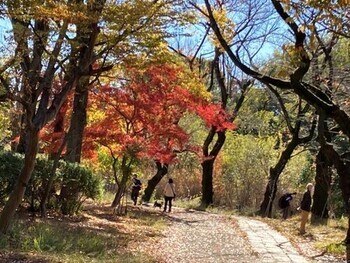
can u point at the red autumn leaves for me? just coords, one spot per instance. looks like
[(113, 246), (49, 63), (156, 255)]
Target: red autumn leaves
[(140, 115)]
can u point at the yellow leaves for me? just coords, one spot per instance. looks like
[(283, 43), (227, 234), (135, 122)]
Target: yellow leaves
[(61, 12), (192, 82), (95, 113), (49, 10), (226, 25), (344, 3), (327, 3), (289, 20), (293, 54)]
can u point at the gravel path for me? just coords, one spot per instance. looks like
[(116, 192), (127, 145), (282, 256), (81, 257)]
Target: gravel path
[(194, 236)]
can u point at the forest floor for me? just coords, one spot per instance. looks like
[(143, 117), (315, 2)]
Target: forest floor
[(146, 234)]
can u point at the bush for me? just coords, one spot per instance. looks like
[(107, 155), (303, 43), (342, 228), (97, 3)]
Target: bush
[(38, 183), (87, 185), (10, 168), (79, 183)]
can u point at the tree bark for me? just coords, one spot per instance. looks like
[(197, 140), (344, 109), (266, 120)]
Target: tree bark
[(121, 191), (208, 164), (207, 183), (319, 210), (162, 169), (275, 172), (343, 169), (75, 141), (78, 122), (17, 194), (86, 36), (125, 168), (51, 179)]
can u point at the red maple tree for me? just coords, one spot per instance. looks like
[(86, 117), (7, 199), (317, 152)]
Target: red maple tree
[(142, 115)]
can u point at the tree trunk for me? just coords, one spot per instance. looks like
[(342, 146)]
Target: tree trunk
[(78, 122), (17, 194), (207, 183), (319, 210), (162, 169), (122, 188), (208, 165), (343, 170), (269, 195), (275, 172), (75, 141), (55, 156)]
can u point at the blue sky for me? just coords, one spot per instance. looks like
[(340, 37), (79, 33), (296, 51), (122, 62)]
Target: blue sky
[(5, 26)]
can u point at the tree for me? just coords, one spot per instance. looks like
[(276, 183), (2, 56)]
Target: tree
[(69, 42), (42, 58), (309, 92), (223, 77), (295, 131), (296, 81), (143, 116)]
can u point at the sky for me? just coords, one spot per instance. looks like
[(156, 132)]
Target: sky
[(5, 26)]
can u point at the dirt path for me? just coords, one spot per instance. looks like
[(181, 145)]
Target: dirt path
[(194, 236)]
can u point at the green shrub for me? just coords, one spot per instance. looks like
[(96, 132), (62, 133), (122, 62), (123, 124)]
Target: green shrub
[(38, 183), (86, 184), (10, 168), (79, 183)]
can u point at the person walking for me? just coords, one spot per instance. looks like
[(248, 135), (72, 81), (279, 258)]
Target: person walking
[(169, 195), (135, 189), (305, 207)]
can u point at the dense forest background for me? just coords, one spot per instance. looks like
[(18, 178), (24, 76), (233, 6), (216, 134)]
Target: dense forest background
[(237, 101)]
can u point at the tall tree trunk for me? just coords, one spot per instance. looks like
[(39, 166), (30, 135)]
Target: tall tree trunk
[(275, 172), (18, 192), (51, 179), (210, 156), (55, 156), (75, 141), (162, 169), (78, 122), (207, 182), (343, 169), (319, 210), (208, 164)]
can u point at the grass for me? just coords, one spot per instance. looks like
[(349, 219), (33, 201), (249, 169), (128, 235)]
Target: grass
[(188, 203), (95, 236)]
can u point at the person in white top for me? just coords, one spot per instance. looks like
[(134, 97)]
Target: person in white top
[(169, 194)]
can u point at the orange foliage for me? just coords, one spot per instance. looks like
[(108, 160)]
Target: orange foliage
[(141, 116)]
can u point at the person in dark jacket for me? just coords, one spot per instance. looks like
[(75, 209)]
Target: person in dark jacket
[(305, 206), (284, 204), (136, 187)]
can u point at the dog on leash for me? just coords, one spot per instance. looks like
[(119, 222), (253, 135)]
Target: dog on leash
[(157, 204)]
